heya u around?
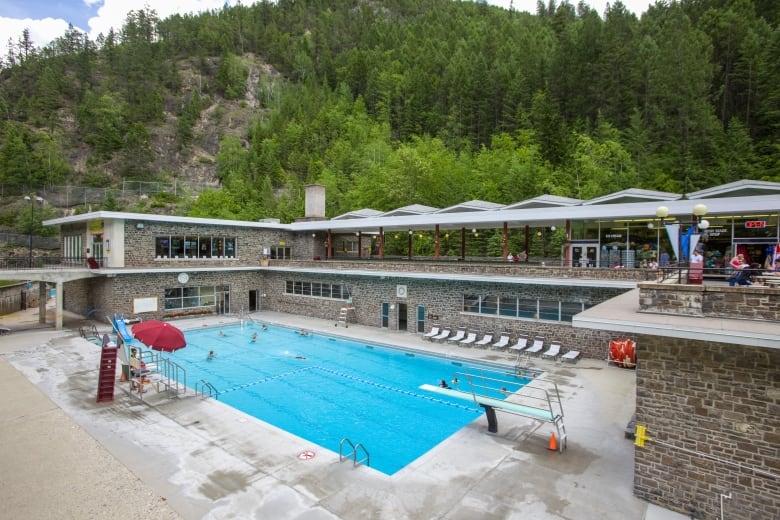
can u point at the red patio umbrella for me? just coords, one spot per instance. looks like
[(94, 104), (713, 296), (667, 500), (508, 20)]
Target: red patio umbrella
[(159, 335)]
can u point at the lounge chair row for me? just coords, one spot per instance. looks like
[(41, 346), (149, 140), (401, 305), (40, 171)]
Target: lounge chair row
[(523, 345)]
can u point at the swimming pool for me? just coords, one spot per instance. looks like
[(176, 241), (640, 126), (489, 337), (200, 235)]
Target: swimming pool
[(325, 389)]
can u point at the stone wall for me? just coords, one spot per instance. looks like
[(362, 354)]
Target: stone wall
[(443, 302), (713, 301), (712, 412), (485, 268)]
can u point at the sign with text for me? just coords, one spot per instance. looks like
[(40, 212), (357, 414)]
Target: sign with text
[(754, 224)]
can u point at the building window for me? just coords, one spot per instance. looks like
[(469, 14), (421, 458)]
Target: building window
[(316, 289), (193, 297), (516, 307), (281, 253), (195, 246), (72, 248)]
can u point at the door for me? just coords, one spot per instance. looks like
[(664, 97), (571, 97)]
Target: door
[(402, 318), (385, 317), (254, 303), (421, 318)]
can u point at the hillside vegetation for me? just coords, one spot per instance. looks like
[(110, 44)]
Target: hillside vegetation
[(395, 102)]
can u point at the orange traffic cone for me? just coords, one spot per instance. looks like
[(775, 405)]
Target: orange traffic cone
[(553, 442)]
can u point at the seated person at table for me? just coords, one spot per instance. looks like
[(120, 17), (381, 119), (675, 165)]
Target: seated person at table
[(137, 367)]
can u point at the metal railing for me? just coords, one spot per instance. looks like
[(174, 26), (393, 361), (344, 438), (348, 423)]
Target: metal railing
[(19, 263)]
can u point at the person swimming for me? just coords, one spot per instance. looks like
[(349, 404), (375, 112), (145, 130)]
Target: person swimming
[(254, 337), (211, 355)]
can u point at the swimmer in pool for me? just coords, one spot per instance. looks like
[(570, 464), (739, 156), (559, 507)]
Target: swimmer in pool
[(254, 337), (211, 355)]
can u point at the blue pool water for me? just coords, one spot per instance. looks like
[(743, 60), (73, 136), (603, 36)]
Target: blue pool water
[(325, 389)]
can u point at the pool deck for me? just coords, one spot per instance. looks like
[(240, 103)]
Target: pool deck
[(65, 455)]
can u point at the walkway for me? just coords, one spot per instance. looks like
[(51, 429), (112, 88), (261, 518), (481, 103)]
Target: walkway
[(189, 458)]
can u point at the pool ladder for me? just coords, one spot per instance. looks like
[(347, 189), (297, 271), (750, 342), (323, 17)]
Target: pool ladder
[(354, 453), (203, 386)]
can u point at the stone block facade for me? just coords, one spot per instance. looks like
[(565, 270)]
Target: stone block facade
[(443, 303), (712, 413), (749, 303)]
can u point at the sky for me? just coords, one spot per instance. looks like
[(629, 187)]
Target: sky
[(49, 19)]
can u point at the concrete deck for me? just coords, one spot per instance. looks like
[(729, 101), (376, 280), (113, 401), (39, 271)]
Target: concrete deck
[(64, 454)]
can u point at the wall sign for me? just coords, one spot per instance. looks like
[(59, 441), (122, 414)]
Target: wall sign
[(754, 224), (144, 305)]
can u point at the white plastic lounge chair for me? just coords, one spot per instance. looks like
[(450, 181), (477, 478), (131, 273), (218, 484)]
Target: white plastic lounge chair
[(503, 342), (521, 344), (441, 336), (552, 352), (572, 356), (458, 335), (468, 340), (486, 340), (434, 331), (536, 347)]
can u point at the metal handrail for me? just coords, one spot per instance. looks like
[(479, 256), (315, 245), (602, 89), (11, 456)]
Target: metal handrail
[(353, 453), (203, 385)]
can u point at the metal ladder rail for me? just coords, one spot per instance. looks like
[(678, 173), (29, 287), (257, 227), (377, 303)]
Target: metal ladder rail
[(205, 385), (354, 453)]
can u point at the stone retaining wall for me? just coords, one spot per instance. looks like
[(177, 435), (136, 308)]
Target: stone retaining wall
[(749, 303), (712, 413)]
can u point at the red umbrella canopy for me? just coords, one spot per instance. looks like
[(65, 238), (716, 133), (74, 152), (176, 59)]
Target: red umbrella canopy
[(159, 335)]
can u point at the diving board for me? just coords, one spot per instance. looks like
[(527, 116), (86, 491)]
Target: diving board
[(491, 404)]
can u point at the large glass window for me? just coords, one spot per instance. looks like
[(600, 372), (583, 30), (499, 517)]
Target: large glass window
[(193, 297), (195, 247), (316, 289), (515, 307), (281, 252)]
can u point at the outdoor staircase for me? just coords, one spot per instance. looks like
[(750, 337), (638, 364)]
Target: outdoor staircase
[(107, 373)]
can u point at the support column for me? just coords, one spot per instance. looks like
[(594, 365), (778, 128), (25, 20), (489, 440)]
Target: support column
[(436, 244), (462, 243), (568, 243), (329, 247), (505, 246), (381, 242), (360, 244), (42, 297), (527, 251), (410, 243), (59, 298)]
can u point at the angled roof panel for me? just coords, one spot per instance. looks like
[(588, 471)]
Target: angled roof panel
[(544, 201), (359, 213), (743, 188), (413, 209), (633, 195), (472, 205)]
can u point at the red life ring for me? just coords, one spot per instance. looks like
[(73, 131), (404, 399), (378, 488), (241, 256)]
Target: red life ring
[(306, 455)]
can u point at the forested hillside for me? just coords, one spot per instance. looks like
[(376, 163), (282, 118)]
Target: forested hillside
[(395, 102)]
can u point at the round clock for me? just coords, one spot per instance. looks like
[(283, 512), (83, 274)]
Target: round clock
[(183, 277)]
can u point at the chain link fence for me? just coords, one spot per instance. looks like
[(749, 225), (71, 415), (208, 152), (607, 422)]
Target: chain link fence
[(70, 196)]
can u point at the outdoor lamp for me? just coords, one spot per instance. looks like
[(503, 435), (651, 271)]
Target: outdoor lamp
[(662, 212), (700, 210), (704, 224), (552, 228)]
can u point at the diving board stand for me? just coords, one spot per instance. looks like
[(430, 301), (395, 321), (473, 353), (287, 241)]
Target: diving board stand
[(491, 404)]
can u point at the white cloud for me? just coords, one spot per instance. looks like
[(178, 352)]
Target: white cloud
[(114, 12), (42, 32)]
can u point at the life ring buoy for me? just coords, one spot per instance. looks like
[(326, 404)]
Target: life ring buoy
[(306, 455)]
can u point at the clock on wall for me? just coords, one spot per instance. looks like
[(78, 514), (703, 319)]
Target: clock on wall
[(183, 277)]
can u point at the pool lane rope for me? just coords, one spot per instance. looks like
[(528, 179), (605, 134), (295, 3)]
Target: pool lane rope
[(353, 378)]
